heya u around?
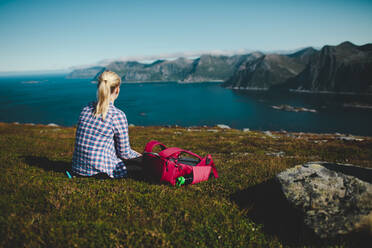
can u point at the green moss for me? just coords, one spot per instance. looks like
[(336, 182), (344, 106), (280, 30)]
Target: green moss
[(40, 206)]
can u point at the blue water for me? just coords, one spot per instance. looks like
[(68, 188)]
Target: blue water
[(54, 99)]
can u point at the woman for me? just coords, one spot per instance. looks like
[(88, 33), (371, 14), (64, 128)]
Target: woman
[(102, 140)]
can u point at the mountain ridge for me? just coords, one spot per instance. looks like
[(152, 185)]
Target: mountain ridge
[(345, 67), (207, 67), (342, 68)]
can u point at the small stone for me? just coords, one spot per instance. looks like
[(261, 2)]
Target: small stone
[(52, 125), (276, 154), (268, 133), (223, 126), (349, 138), (246, 130), (212, 130)]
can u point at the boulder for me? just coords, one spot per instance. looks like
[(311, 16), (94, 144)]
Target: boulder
[(334, 199)]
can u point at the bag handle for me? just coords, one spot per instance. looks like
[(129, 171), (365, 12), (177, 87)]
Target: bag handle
[(173, 150), (150, 145), (214, 169), (208, 161)]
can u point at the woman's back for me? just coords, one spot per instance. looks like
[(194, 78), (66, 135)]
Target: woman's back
[(102, 142)]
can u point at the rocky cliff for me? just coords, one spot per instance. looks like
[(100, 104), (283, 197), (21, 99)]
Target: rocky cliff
[(342, 68), (263, 71)]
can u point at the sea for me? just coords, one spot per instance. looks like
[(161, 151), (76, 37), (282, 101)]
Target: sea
[(45, 99)]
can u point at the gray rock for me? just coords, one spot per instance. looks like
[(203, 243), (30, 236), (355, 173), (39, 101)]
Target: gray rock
[(349, 138), (52, 125), (289, 108), (335, 199), (275, 154)]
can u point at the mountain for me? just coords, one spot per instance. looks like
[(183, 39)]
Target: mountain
[(263, 71), (160, 70), (90, 72), (214, 68), (303, 56), (343, 68), (204, 68)]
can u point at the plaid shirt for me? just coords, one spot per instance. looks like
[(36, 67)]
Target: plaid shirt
[(101, 145)]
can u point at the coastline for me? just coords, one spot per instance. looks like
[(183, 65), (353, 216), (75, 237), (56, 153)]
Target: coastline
[(215, 128), (161, 81), (247, 88), (315, 92), (329, 92)]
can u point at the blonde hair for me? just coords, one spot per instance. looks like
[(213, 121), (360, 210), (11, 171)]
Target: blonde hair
[(108, 81)]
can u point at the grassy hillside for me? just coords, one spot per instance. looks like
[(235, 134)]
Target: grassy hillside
[(40, 206)]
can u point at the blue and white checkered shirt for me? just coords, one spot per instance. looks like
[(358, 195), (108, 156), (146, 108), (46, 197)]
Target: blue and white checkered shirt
[(100, 145)]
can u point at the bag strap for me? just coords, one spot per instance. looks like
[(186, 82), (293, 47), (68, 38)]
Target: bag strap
[(150, 145), (208, 161), (173, 150), (214, 170)]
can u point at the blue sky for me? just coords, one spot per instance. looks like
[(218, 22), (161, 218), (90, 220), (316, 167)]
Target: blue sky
[(46, 35)]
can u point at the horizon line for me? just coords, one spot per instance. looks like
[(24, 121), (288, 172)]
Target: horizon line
[(148, 59)]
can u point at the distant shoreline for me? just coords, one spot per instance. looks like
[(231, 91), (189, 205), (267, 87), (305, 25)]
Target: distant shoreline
[(215, 128), (329, 92), (247, 88), (160, 81), (314, 92)]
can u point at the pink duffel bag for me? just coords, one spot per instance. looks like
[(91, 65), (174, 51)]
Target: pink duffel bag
[(170, 163)]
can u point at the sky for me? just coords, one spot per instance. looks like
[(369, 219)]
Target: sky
[(57, 34)]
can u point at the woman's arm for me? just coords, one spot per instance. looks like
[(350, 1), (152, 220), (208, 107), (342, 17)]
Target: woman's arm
[(121, 138)]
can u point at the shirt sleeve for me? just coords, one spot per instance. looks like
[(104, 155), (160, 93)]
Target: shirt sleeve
[(121, 138)]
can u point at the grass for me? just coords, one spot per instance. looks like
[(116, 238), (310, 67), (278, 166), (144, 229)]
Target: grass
[(40, 206)]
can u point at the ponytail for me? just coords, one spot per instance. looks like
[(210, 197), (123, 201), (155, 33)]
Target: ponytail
[(108, 81)]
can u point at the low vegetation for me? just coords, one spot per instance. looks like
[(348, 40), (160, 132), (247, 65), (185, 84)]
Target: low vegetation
[(40, 206)]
